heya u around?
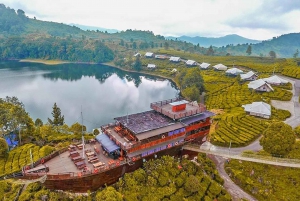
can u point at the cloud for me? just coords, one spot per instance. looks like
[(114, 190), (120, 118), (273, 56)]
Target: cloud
[(211, 18), (270, 14)]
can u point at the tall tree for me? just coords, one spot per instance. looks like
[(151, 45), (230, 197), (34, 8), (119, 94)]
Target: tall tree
[(166, 45), (3, 147), (58, 119), (296, 54), (38, 122), (272, 54), (134, 46), (210, 51), (137, 64), (249, 50), (278, 139), (13, 115), (77, 128), (109, 194)]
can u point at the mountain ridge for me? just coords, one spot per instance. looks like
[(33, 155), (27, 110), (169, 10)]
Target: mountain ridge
[(233, 39), (94, 28)]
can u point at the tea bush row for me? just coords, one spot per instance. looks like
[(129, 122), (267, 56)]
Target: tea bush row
[(239, 129), (20, 156)]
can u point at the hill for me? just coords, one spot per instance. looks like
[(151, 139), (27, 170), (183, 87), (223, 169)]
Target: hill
[(285, 46), (18, 29), (217, 42), (93, 28)]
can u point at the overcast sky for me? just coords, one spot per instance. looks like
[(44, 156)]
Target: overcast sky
[(255, 19)]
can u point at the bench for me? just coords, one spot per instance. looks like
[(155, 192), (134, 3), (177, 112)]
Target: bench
[(80, 164), (90, 154), (74, 154), (99, 164), (77, 158)]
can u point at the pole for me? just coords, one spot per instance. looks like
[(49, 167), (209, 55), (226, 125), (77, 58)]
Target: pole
[(19, 135), (83, 144), (229, 147), (31, 159)]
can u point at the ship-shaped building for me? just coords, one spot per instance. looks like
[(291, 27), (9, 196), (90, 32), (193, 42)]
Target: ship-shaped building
[(124, 145)]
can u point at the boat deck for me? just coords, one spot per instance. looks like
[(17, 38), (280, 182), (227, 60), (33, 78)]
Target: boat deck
[(64, 163)]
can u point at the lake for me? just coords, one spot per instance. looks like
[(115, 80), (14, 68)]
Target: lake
[(103, 92)]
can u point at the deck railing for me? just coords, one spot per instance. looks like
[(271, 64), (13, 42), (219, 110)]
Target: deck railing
[(69, 175), (177, 115), (107, 130)]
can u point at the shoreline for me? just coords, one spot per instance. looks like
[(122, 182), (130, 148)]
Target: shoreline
[(44, 61), (140, 72), (111, 64)]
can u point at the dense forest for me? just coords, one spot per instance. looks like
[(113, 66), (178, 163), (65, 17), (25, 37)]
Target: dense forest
[(55, 48)]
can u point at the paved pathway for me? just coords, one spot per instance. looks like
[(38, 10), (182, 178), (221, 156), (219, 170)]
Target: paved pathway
[(286, 162), (293, 105), (234, 190)]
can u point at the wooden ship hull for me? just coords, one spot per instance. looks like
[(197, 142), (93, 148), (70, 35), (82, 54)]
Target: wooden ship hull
[(93, 182)]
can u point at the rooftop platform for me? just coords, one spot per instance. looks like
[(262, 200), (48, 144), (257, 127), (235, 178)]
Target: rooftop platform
[(165, 108), (145, 121)]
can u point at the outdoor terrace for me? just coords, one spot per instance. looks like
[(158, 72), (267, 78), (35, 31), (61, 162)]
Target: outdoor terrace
[(164, 107), (68, 163)]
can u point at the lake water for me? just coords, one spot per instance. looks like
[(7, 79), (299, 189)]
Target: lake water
[(103, 92)]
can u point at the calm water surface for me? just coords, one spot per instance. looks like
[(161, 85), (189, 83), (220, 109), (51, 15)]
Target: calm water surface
[(102, 91)]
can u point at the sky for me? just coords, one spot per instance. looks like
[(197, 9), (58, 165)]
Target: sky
[(254, 19)]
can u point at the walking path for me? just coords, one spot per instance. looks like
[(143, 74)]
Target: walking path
[(286, 162), (234, 190), (293, 105)]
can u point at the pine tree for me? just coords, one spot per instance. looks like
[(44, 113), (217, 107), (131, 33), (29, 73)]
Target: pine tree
[(58, 120), (249, 50), (210, 51), (137, 64), (296, 54)]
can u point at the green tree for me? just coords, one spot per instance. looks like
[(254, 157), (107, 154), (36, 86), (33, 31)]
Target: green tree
[(58, 119), (109, 194), (297, 131), (192, 184), (122, 42), (210, 51), (193, 78), (134, 46), (13, 115), (296, 54), (249, 50), (191, 93), (166, 45), (278, 139), (38, 122), (272, 54), (77, 128), (96, 132), (137, 64), (3, 148)]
